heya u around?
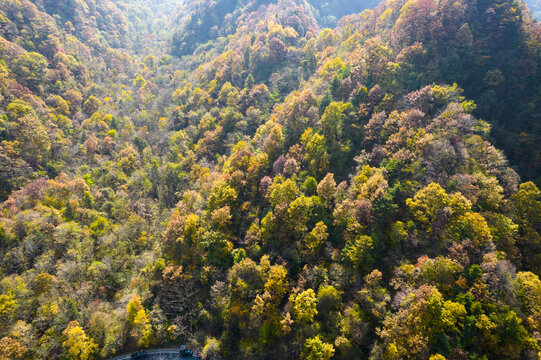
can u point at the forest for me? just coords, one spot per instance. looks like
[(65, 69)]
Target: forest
[(270, 179)]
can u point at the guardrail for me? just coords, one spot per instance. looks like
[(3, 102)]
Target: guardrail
[(164, 353)]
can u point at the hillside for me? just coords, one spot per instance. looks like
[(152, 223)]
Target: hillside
[(270, 179)]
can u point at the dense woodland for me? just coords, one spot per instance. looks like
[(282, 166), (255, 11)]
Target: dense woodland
[(270, 179)]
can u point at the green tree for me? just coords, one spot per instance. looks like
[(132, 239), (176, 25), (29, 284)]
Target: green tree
[(304, 306), (427, 202), (332, 121), (316, 238), (221, 195), (300, 212), (127, 159), (31, 67), (316, 155), (527, 202), (18, 108), (374, 297), (328, 299), (315, 349), (35, 142), (413, 330), (277, 284), (91, 105), (358, 252), (529, 292), (283, 192), (472, 226)]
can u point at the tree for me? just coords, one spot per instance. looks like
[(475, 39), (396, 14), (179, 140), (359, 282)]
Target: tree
[(357, 252), (370, 183), (504, 232), (374, 297), (133, 308), (59, 104), (31, 67), (221, 195), (472, 226), (91, 105), (529, 292), (277, 284), (326, 189), (278, 50), (310, 186), (11, 349), (74, 98), (300, 211), (304, 306), (527, 203), (316, 155), (328, 299), (332, 121), (211, 348), (91, 146), (77, 343), (316, 238), (35, 142), (283, 192), (142, 329), (18, 108), (244, 278), (8, 304), (426, 204), (441, 272), (127, 159), (310, 55), (43, 283), (413, 330), (315, 349), (437, 357)]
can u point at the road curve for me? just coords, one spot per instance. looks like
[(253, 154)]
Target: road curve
[(165, 354)]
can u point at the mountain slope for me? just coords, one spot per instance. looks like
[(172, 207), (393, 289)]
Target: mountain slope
[(282, 190)]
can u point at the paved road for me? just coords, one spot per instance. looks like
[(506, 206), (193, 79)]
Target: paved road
[(165, 354)]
